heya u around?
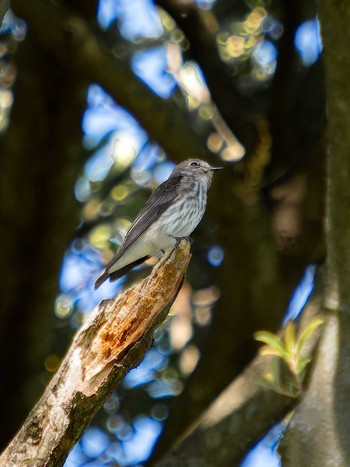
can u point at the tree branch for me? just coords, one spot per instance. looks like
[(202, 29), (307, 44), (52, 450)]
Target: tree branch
[(200, 28), (113, 340), (232, 424), (243, 412), (66, 35)]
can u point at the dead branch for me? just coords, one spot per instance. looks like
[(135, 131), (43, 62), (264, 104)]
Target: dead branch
[(112, 341)]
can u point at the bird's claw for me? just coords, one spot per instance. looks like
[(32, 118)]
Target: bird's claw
[(179, 239), (188, 239)]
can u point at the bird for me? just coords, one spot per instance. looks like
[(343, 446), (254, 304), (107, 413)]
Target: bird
[(171, 213)]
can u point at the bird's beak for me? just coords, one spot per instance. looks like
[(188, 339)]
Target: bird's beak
[(216, 168)]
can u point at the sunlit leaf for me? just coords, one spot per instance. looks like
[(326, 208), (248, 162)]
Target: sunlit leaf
[(307, 332), (273, 341), (269, 351), (289, 337)]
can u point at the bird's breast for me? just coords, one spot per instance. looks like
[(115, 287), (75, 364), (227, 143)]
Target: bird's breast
[(183, 216)]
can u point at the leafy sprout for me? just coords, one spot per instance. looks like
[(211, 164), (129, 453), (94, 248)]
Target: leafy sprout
[(288, 347)]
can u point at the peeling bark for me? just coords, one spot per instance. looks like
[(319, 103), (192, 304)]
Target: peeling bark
[(112, 341)]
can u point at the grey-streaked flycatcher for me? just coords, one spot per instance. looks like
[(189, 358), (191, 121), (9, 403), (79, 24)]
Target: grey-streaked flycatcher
[(172, 212)]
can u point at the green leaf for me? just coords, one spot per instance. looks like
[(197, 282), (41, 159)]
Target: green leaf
[(273, 341), (269, 351), (308, 331), (289, 338)]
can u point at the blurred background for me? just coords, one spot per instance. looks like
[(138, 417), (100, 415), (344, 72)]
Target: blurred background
[(98, 102)]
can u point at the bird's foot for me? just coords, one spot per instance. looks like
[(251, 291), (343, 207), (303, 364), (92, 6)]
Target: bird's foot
[(178, 240), (188, 239)]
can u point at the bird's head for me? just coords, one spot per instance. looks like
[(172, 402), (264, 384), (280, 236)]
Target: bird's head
[(196, 168)]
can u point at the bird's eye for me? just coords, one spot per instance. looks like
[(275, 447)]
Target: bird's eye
[(194, 164)]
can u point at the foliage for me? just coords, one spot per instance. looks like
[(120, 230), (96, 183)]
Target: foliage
[(288, 347)]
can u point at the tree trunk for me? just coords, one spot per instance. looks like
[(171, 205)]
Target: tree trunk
[(319, 431)]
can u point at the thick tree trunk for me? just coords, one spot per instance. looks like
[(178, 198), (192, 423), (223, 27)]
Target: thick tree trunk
[(40, 161), (319, 431)]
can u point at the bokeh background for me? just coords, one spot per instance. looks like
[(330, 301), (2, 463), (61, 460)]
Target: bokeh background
[(98, 102)]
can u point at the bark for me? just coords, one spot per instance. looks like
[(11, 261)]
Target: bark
[(318, 434), (237, 419), (336, 34), (63, 33), (112, 341)]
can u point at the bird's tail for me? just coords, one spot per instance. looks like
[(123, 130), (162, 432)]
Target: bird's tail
[(113, 276), (101, 279)]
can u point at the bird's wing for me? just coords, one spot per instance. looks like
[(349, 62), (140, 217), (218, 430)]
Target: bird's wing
[(157, 204)]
